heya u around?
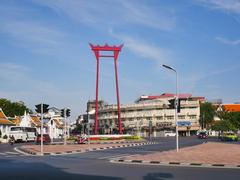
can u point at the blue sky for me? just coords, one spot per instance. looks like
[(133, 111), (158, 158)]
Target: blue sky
[(45, 54)]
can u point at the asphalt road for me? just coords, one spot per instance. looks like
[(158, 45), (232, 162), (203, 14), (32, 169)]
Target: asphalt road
[(96, 165)]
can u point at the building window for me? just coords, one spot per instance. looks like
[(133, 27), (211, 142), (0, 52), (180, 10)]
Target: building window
[(159, 118), (169, 117), (192, 116), (181, 117)]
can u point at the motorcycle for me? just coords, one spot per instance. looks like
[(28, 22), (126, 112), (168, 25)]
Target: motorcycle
[(11, 141), (82, 140)]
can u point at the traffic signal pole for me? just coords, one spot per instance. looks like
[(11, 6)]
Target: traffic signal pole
[(41, 109), (42, 129), (65, 124), (176, 112), (176, 104), (64, 114)]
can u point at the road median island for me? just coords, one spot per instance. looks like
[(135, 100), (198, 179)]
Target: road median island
[(59, 149), (207, 155)]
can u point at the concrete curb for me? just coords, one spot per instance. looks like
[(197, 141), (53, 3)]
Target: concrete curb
[(32, 152), (173, 163)]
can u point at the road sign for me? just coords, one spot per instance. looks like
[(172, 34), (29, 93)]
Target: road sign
[(184, 123)]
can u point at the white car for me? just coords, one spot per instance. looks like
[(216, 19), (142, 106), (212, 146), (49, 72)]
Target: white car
[(169, 133)]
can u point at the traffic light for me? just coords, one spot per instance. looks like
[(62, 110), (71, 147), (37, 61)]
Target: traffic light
[(62, 112), (45, 108), (68, 112), (172, 103), (39, 108), (179, 106)]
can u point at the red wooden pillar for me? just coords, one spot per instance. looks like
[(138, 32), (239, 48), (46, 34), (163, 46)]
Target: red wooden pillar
[(96, 100), (117, 92), (115, 49)]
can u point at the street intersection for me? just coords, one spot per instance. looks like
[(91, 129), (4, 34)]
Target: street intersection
[(96, 164)]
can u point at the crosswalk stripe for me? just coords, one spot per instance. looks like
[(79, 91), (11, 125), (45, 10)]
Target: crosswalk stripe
[(10, 152), (119, 157), (115, 156), (10, 156)]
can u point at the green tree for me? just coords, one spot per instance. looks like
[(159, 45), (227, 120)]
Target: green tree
[(78, 129), (229, 121), (12, 109), (234, 118), (223, 125), (207, 113)]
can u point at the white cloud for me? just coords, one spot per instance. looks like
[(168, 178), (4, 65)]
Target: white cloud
[(12, 72), (232, 6), (108, 13), (191, 81), (31, 32), (227, 41), (19, 85), (138, 13), (144, 49)]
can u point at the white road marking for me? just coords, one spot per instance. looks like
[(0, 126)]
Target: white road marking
[(13, 153), (109, 157)]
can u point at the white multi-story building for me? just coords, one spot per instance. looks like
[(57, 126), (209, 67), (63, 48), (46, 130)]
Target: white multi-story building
[(152, 115)]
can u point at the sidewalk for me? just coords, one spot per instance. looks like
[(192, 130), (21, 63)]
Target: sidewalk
[(208, 154)]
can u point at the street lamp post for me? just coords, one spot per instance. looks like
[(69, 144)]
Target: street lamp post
[(176, 103)]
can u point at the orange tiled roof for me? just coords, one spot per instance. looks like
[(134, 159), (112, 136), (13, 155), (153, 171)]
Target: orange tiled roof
[(36, 120), (2, 115), (16, 120), (58, 124), (6, 122), (3, 119), (232, 107)]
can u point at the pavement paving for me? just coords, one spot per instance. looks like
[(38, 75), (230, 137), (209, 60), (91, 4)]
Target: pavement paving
[(211, 154)]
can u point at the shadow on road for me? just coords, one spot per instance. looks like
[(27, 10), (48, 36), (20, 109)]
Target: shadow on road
[(157, 176), (10, 169)]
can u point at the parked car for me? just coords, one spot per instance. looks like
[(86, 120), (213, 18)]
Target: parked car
[(169, 133), (203, 135), (230, 136), (46, 139)]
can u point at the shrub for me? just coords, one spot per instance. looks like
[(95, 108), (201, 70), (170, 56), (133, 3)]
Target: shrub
[(72, 138), (132, 137)]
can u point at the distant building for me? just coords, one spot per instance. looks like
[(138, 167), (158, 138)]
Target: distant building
[(88, 119), (151, 115), (53, 123), (232, 107), (5, 123)]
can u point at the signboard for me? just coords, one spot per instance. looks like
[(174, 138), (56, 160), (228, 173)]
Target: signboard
[(184, 123)]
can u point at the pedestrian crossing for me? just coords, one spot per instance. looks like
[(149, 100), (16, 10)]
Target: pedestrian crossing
[(117, 156), (10, 154)]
